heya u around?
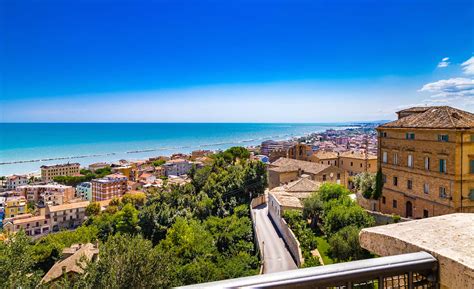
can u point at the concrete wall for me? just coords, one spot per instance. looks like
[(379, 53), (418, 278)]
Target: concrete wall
[(275, 210), (254, 203)]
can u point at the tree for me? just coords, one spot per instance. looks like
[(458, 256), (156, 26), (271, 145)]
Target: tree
[(341, 216), (378, 185), (136, 199), (16, 263), (129, 262), (93, 209), (312, 208), (329, 191), (365, 183), (126, 220), (345, 245)]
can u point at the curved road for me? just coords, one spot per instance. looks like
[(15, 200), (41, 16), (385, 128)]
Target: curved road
[(276, 257)]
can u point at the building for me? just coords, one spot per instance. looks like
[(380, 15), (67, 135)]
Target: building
[(177, 167), (356, 162), (34, 226), (13, 181), (426, 157), (84, 191), (200, 153), (325, 158), (146, 178), (95, 166), (114, 185), (269, 146), (300, 151), (66, 216), (15, 206), (286, 170), (48, 173), (73, 261), (289, 197), (55, 194)]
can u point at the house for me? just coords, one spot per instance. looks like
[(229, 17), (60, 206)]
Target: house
[(84, 191), (326, 158), (13, 181), (33, 226), (15, 206), (426, 158), (72, 263), (286, 170), (41, 194), (147, 178)]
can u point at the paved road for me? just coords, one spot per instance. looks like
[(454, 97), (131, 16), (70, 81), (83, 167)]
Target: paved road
[(276, 257)]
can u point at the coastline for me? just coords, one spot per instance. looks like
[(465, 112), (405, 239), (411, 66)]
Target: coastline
[(21, 166)]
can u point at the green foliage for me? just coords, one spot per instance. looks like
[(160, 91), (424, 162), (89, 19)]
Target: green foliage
[(158, 163), (365, 183), (304, 234), (129, 262), (137, 199), (341, 216), (329, 191), (396, 218), (16, 263), (93, 209), (345, 245), (87, 176), (378, 185)]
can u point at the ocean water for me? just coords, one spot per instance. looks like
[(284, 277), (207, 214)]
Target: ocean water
[(24, 147)]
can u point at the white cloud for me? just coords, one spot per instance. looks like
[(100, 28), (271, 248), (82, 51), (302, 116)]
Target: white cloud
[(446, 91), (468, 66), (444, 62)]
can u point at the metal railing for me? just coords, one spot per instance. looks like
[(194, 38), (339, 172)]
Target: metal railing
[(410, 271)]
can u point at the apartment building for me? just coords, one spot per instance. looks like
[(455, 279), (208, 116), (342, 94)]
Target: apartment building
[(84, 191), (66, 216), (51, 193), (269, 146), (177, 167), (48, 173), (114, 185), (15, 206), (286, 170), (427, 160), (32, 225), (13, 181)]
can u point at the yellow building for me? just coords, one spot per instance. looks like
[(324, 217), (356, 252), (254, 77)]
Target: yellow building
[(325, 158), (48, 173), (15, 206), (427, 161)]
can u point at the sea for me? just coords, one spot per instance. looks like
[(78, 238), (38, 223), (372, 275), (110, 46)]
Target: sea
[(24, 147)]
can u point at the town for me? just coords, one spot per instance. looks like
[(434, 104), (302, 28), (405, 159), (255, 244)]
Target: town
[(416, 167)]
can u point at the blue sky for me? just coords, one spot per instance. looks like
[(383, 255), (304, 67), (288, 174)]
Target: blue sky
[(232, 61)]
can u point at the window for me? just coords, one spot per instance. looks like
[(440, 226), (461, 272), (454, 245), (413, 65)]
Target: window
[(442, 166), (383, 200), (443, 137), (360, 165), (410, 135), (338, 176), (383, 134), (426, 188), (384, 179), (394, 204), (471, 166), (395, 158), (409, 184), (427, 163), (395, 181), (442, 193), (425, 214), (471, 194), (324, 178), (384, 157), (352, 163), (472, 137), (410, 161)]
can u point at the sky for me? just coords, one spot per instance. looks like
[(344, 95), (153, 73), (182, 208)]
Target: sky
[(232, 61)]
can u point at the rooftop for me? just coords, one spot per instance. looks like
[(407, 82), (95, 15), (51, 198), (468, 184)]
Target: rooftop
[(60, 165), (432, 117), (357, 155), (290, 165), (325, 155), (69, 206)]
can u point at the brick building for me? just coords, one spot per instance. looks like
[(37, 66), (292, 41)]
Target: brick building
[(114, 185), (427, 160)]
